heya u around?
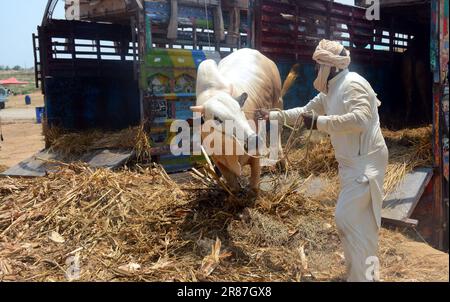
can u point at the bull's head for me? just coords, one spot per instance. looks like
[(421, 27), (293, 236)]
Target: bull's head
[(222, 108)]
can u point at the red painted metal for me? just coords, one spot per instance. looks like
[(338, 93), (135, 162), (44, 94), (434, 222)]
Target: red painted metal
[(314, 20)]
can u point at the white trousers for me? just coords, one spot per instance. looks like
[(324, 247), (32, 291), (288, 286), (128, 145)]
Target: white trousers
[(357, 229), (358, 214)]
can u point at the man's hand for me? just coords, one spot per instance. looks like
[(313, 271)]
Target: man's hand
[(262, 114), (310, 120)]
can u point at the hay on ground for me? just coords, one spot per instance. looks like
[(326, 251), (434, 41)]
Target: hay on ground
[(408, 150), (128, 226)]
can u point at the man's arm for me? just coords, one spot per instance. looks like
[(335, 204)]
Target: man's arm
[(292, 115), (357, 103)]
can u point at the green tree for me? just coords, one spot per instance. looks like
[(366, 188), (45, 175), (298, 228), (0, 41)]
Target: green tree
[(17, 67)]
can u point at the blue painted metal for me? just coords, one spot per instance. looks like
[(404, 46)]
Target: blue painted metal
[(92, 102), (39, 114), (381, 79), (176, 163), (303, 90), (159, 13)]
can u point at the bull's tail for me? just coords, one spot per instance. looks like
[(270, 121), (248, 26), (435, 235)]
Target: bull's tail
[(290, 79)]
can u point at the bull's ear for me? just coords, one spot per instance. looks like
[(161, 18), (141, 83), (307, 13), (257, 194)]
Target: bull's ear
[(199, 109), (241, 100)]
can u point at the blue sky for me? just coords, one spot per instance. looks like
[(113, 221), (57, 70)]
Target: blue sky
[(19, 19)]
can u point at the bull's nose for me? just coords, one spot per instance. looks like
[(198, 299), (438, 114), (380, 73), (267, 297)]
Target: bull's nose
[(252, 143)]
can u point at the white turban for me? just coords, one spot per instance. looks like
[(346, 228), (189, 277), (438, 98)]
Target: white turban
[(327, 54)]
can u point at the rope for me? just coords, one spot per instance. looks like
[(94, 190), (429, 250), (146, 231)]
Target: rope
[(299, 123), (297, 126), (285, 124)]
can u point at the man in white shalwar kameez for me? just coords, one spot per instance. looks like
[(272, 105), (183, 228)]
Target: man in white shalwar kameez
[(347, 109)]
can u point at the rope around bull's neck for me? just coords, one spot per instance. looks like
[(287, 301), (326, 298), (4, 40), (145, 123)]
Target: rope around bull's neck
[(297, 126), (291, 140), (299, 122)]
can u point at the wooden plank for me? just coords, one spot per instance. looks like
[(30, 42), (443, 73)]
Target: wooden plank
[(44, 161), (411, 223), (400, 204)]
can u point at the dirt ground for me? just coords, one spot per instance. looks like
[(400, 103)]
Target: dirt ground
[(18, 101), (21, 140), (419, 262), (430, 257)]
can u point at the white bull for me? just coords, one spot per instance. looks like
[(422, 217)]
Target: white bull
[(242, 83)]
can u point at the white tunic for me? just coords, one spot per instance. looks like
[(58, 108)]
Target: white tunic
[(349, 114)]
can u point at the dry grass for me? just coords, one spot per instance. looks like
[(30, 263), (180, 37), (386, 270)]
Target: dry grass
[(408, 150), (128, 226), (319, 160), (71, 144), (111, 219), (114, 218)]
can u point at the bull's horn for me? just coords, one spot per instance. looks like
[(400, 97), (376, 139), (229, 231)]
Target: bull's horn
[(241, 100), (200, 109)]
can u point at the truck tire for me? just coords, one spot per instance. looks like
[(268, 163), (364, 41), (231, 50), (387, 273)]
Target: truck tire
[(2, 105)]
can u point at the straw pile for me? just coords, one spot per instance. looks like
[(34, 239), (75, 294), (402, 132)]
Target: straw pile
[(69, 144), (127, 226), (408, 150)]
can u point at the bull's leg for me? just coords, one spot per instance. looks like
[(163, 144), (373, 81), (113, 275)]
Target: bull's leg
[(230, 178), (276, 149), (255, 177), (283, 162)]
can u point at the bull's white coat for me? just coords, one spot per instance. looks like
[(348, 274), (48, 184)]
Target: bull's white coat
[(218, 86)]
